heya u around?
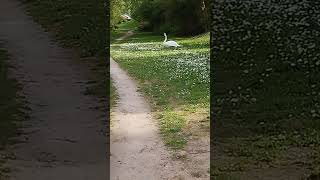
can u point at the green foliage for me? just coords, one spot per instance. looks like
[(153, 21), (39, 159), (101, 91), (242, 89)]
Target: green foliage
[(266, 84), (183, 17), (266, 59), (117, 8), (77, 23)]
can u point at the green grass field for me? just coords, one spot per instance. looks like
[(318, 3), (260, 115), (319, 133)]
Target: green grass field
[(176, 81)]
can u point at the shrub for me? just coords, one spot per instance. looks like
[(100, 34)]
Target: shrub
[(182, 17)]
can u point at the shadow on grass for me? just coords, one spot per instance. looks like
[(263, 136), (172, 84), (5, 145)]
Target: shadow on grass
[(76, 23), (12, 110), (267, 116)]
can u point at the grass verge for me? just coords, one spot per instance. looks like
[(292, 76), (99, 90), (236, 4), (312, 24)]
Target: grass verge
[(113, 95), (11, 110)]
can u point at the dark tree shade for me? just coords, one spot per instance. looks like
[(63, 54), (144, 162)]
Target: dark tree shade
[(183, 17), (266, 64)]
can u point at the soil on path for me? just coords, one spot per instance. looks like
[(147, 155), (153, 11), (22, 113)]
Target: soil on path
[(65, 136), (137, 151)]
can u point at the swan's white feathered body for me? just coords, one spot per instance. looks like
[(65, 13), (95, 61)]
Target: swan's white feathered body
[(169, 43)]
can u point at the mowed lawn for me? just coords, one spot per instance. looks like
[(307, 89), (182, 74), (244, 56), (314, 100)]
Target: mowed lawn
[(175, 81)]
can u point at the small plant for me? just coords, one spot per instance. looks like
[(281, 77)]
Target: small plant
[(171, 127)]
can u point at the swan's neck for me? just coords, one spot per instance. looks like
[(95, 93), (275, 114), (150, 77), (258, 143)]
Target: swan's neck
[(165, 38)]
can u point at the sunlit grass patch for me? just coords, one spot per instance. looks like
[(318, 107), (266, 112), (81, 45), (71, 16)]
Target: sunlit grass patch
[(182, 73), (175, 80), (113, 101), (171, 126)]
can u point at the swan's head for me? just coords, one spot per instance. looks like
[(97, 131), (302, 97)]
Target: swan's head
[(165, 34)]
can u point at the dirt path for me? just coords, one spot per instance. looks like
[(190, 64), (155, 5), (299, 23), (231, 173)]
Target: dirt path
[(65, 134), (137, 151)]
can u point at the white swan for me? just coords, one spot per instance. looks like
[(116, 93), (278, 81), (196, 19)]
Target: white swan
[(169, 43)]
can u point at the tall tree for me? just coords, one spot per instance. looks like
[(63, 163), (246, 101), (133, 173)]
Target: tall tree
[(117, 7)]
